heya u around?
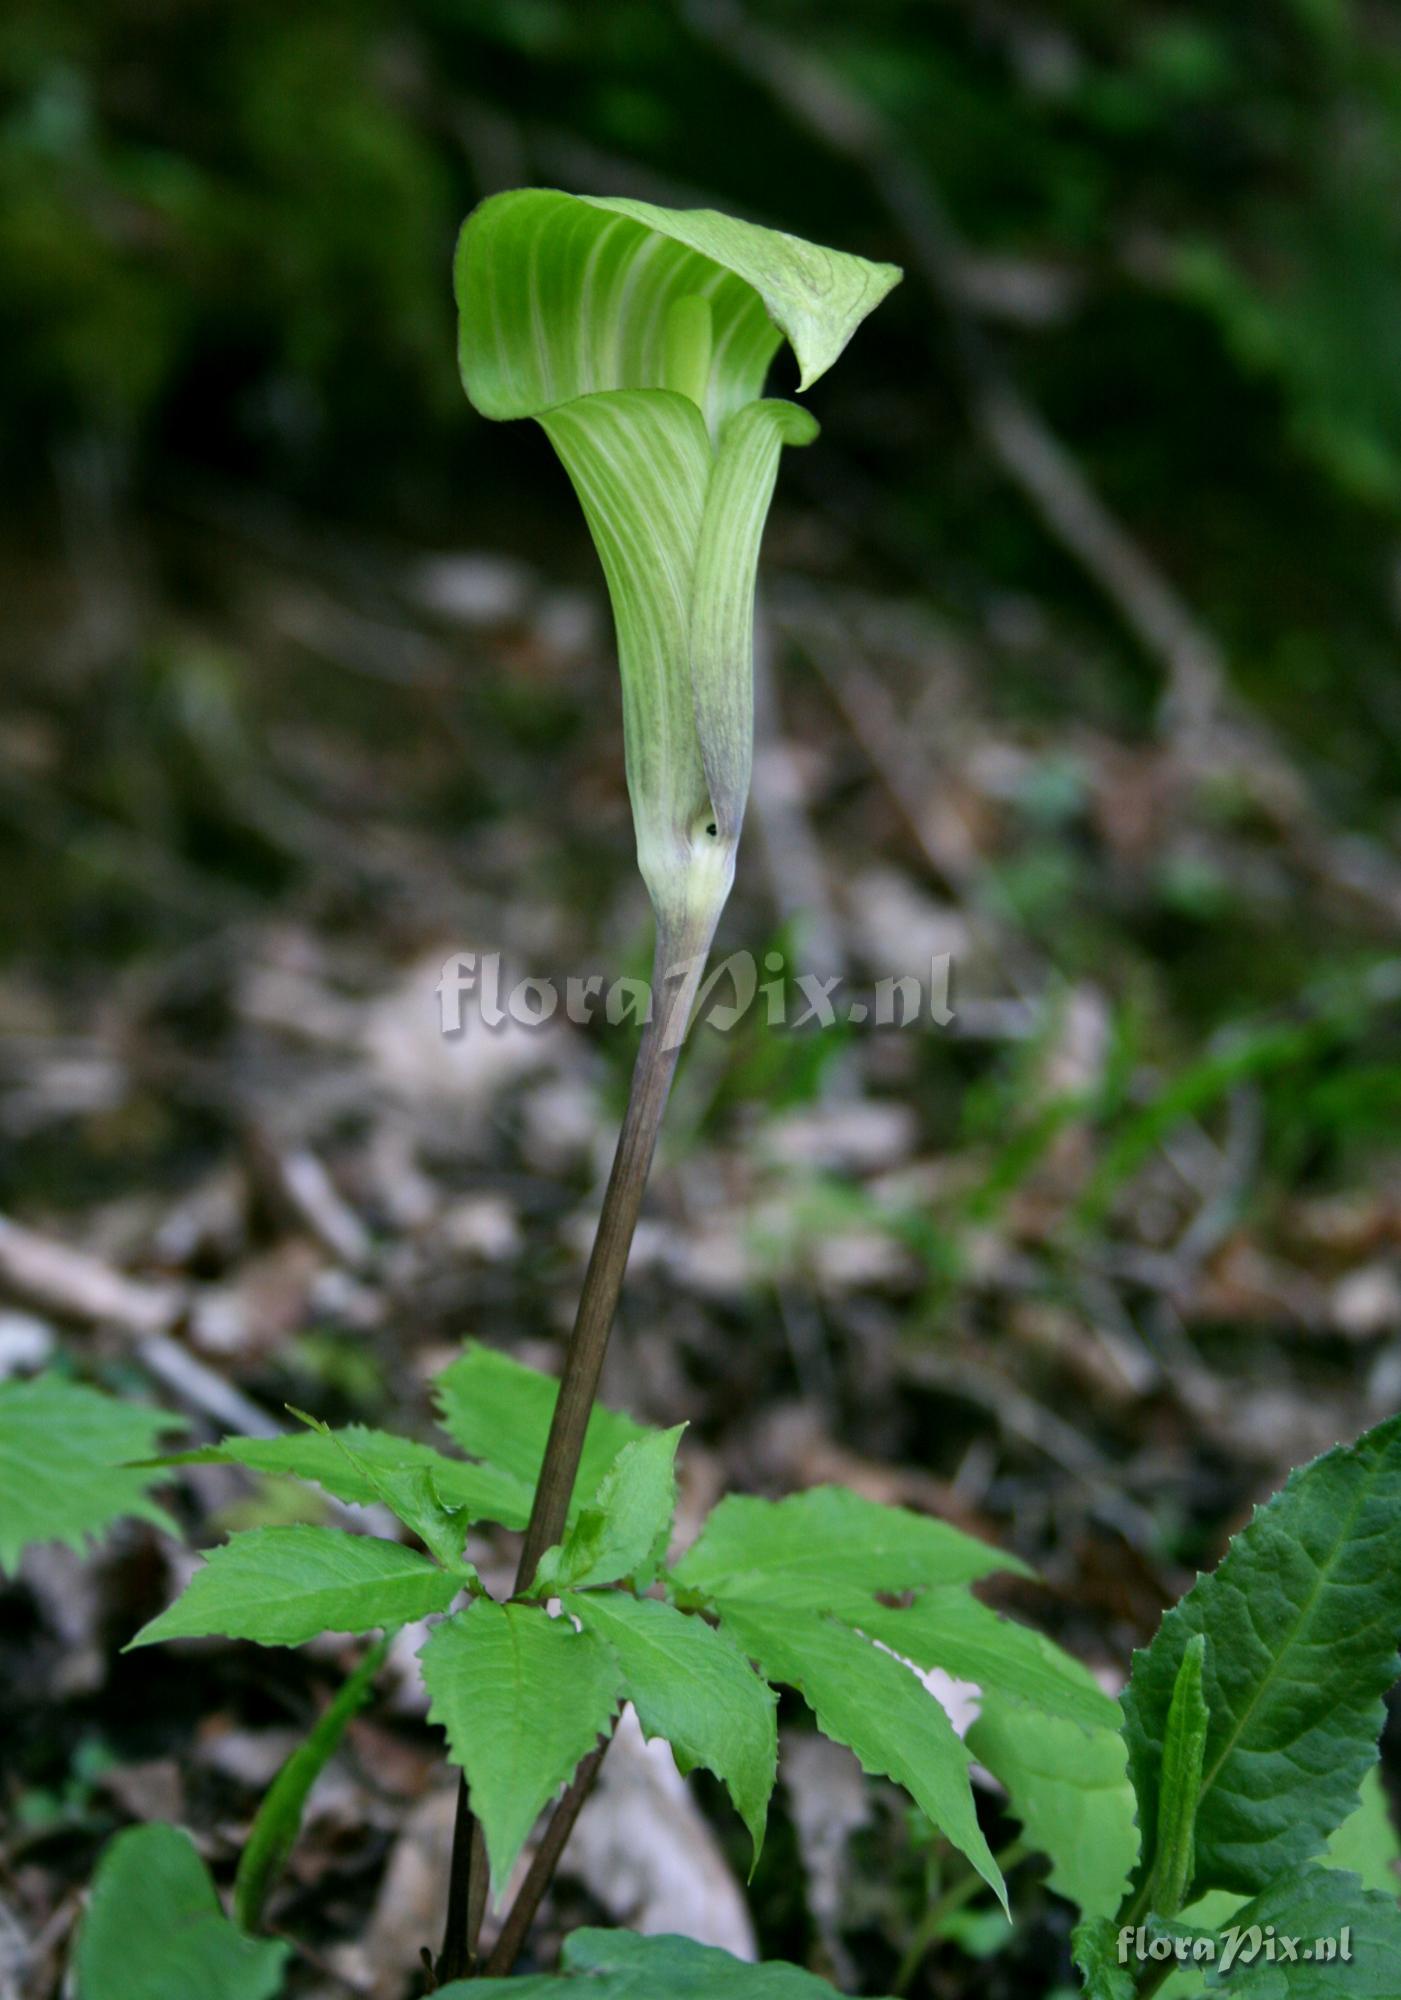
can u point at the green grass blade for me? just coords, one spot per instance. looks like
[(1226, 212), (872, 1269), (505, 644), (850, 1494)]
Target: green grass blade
[(279, 1818)]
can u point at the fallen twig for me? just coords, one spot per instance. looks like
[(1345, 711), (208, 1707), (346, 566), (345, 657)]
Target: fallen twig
[(73, 1284)]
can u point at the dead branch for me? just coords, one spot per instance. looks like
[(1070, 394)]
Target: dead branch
[(1014, 432)]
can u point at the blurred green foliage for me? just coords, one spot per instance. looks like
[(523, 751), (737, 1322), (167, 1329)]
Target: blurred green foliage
[(245, 210), (226, 231), (230, 216)]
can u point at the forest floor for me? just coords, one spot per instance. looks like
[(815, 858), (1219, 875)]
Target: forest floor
[(1085, 1269)]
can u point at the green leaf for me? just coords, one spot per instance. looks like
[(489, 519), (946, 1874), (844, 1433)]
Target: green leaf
[(1094, 1945), (618, 1965), (413, 1495), (565, 295), (349, 1463), (684, 1970), (623, 1530), (1364, 1845), (523, 1697), (282, 1586), (1301, 1621), (827, 1549), (1311, 1935), (498, 1409), (1069, 1788), (864, 1697), (1184, 1749), (279, 1818), (950, 1629), (65, 1471), (1313, 1906), (411, 1492), (154, 1930), (690, 1684)]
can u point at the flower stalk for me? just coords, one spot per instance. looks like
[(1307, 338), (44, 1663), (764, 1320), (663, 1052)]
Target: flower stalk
[(639, 338), (679, 963), (678, 966)]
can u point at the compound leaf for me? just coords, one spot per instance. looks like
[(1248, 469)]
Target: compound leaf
[(623, 1530), (827, 1549), (411, 1492), (948, 1628), (1070, 1789), (154, 1929), (1301, 1621), (500, 1410), (523, 1697), (282, 1586), (690, 1684), (348, 1464), (65, 1471), (864, 1697)]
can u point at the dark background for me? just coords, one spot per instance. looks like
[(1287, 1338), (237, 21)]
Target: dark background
[(1080, 626)]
